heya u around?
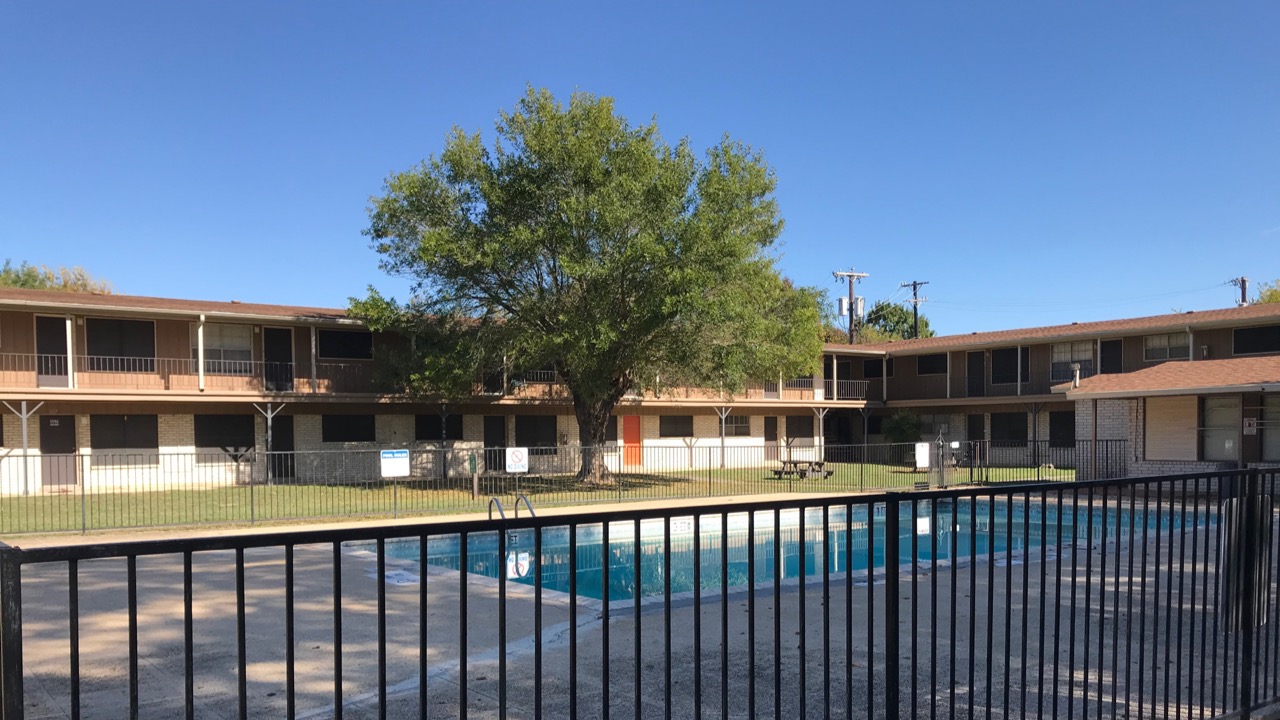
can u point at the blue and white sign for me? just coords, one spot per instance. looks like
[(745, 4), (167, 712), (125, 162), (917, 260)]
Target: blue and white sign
[(517, 460), (395, 463)]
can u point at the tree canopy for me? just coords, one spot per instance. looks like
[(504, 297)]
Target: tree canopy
[(1269, 292), (579, 242), (42, 277), (891, 321)]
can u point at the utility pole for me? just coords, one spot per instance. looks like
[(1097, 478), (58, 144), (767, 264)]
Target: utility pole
[(915, 301), (1242, 282), (853, 277)]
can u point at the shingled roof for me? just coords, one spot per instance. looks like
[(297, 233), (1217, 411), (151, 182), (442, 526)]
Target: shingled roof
[(58, 300), (1251, 374), (1246, 315)]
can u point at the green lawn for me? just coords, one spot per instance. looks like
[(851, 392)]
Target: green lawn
[(283, 503)]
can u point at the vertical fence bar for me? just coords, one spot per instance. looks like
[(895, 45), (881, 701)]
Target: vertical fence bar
[(132, 595), (242, 660), (604, 620), (73, 630), (290, 639), (337, 630), (382, 628), (188, 639), (463, 562), (891, 594), (1249, 500), (724, 615), (11, 691)]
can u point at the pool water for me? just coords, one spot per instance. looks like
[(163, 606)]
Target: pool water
[(962, 529)]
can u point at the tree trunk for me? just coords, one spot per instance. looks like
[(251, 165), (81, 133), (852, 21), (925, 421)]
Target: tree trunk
[(593, 421)]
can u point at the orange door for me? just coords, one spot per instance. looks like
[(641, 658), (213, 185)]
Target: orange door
[(631, 454)]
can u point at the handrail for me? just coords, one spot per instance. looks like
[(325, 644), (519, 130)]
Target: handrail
[(495, 501), (527, 504)]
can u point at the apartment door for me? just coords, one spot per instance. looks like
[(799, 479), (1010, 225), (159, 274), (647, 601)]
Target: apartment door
[(1112, 360), (58, 452), (976, 374), (771, 438), (495, 439), (51, 352), (280, 459), (277, 359), (976, 434), (631, 452)]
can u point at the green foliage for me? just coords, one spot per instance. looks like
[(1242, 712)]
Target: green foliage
[(901, 427), (42, 277), (887, 321), (580, 242), (1269, 292)]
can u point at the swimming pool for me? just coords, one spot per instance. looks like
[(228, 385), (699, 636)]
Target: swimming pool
[(963, 530)]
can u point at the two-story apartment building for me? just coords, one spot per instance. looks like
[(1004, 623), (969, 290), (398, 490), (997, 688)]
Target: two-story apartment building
[(1185, 391), (121, 390)]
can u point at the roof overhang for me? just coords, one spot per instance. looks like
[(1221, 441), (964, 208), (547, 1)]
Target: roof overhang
[(96, 309), (1081, 394)]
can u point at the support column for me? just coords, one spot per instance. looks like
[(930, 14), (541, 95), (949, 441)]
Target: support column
[(71, 352), (723, 412), (23, 415), (314, 345), (822, 430), (200, 352), (1018, 359)]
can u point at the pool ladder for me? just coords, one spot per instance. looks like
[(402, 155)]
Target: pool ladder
[(495, 501)]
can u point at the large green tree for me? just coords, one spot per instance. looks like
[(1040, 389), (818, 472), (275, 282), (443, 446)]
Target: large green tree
[(1269, 293), (891, 321), (43, 277), (579, 242)]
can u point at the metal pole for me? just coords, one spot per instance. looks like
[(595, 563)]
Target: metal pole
[(11, 694), (891, 562), (26, 461), (200, 352)]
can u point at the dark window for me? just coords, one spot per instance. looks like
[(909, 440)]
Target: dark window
[(124, 432), (1062, 429), (611, 429), (1112, 360), (1257, 340), (347, 428), (1008, 429), (931, 364), (428, 427), (345, 344), (536, 432), (871, 368), (875, 425), (120, 345), (1004, 366), (224, 431), (799, 426), (737, 426), (675, 426)]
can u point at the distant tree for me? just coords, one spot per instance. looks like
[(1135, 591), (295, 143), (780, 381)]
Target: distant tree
[(901, 427), (1269, 292), (581, 243), (42, 277), (887, 321)]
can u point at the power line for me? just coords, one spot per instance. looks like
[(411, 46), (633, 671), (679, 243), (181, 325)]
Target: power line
[(853, 277), (915, 301)]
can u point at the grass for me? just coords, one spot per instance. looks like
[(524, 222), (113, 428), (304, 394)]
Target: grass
[(267, 504)]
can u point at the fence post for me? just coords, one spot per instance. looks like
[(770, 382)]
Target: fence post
[(1250, 489), (891, 563), (10, 633), (253, 514)]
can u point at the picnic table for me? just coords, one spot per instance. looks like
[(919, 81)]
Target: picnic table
[(802, 469)]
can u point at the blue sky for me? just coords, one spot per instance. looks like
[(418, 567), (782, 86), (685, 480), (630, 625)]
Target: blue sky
[(1035, 162)]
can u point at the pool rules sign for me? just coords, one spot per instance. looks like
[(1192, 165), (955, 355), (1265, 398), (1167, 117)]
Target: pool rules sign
[(517, 460), (395, 463)]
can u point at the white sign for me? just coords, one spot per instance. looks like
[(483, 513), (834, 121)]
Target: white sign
[(518, 565), (922, 526), (517, 460), (922, 455), (395, 463), (1251, 426)]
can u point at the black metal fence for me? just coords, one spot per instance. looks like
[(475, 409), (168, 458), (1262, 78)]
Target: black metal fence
[(103, 490), (1152, 597)]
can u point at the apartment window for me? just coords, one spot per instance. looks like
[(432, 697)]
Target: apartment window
[(1062, 429), (1220, 429), (931, 364), (1270, 423), (345, 344), (347, 428), (799, 426), (224, 431), (124, 432), (1067, 354), (933, 423), (1250, 341), (680, 426), (120, 345), (737, 426), (1008, 429), (1008, 364), (611, 429), (536, 432), (871, 369), (1173, 346), (228, 349), (429, 427), (875, 425)]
